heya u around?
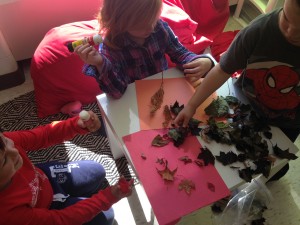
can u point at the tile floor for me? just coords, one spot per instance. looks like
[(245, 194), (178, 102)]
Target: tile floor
[(136, 210)]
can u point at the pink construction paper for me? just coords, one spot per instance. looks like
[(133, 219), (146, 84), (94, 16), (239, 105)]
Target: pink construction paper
[(175, 89), (168, 203)]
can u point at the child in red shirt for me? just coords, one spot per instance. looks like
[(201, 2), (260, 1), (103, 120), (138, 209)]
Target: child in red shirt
[(53, 193)]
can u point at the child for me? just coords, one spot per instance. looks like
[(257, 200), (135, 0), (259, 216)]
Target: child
[(135, 44), (54, 193), (268, 51)]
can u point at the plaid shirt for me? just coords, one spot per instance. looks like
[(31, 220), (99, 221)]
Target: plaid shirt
[(134, 62)]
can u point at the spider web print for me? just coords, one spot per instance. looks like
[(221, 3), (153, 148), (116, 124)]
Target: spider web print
[(21, 113)]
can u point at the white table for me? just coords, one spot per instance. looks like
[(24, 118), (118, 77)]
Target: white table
[(121, 118)]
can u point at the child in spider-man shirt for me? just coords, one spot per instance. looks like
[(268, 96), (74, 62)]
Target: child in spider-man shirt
[(55, 192), (267, 51)]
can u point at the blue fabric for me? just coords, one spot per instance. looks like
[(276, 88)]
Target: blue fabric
[(75, 181)]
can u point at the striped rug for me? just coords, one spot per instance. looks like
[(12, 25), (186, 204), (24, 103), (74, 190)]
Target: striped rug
[(21, 113)]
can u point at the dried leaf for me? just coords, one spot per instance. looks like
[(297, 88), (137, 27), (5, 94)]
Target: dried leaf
[(217, 108), (185, 159), (263, 166), (199, 162), (143, 156), (227, 158), (159, 141), (167, 115), (178, 135), (166, 173), (246, 174), (283, 154), (157, 98), (206, 156), (176, 108), (160, 161), (211, 186), (271, 158), (187, 186)]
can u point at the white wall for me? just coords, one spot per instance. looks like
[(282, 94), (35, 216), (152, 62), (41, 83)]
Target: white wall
[(25, 22)]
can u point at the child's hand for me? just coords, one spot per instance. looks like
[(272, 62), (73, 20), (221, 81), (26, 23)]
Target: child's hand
[(184, 116), (197, 68), (92, 124), (123, 188), (89, 54)]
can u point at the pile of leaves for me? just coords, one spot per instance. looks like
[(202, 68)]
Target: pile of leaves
[(247, 132), (176, 134)]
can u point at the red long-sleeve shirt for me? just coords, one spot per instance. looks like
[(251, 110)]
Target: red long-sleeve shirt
[(27, 199)]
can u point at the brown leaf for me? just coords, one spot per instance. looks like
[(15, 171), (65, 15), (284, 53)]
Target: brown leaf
[(160, 161), (159, 141), (187, 186), (157, 100), (167, 115), (199, 162), (166, 173), (185, 159)]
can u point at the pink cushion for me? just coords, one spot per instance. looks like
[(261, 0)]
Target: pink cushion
[(180, 22), (183, 27), (211, 15), (57, 73)]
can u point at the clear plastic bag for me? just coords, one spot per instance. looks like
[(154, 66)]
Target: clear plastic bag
[(246, 205)]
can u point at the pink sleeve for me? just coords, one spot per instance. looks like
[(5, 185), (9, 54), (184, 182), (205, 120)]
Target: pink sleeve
[(77, 214), (45, 136)]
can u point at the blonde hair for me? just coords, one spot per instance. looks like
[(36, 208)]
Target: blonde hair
[(116, 17)]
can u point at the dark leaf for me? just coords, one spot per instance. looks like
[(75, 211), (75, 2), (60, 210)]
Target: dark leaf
[(206, 156), (268, 134), (263, 166), (246, 174), (193, 125), (176, 108), (217, 108), (231, 100), (178, 135), (258, 221), (283, 154), (227, 158)]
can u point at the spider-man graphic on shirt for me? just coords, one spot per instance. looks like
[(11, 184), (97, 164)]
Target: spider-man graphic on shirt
[(276, 90)]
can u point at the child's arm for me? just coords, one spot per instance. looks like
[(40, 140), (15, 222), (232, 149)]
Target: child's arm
[(77, 214), (214, 79), (50, 134)]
